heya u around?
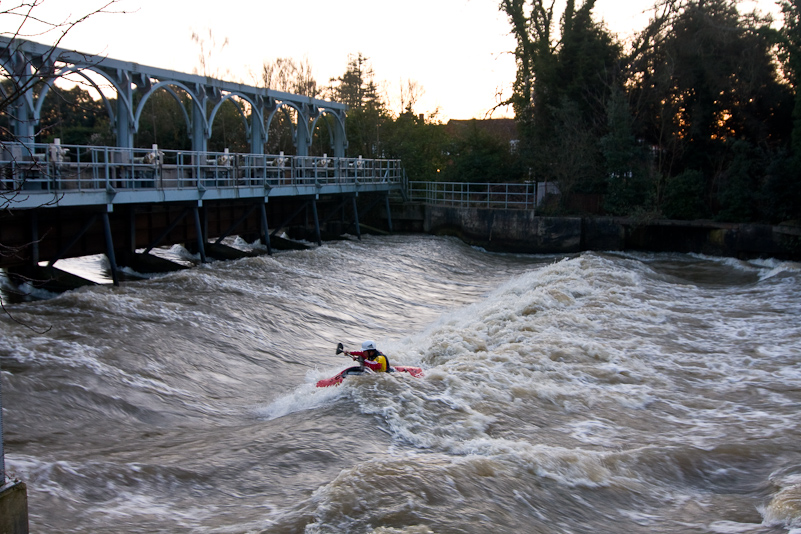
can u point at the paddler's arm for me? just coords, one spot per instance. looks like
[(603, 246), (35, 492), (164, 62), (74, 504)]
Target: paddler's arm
[(357, 355)]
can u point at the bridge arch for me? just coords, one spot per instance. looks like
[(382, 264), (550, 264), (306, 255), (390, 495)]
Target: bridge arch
[(81, 72), (27, 63), (337, 137), (248, 127), (168, 84), (299, 130)]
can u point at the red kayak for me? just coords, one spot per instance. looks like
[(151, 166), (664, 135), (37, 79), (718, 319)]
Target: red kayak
[(337, 380)]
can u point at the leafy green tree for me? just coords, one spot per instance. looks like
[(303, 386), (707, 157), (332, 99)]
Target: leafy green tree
[(420, 144), (791, 59), (738, 186), (685, 196), (703, 77), (780, 190), (478, 156), (291, 76), (229, 130), (73, 116), (561, 89), (627, 162), (162, 121), (280, 135), (532, 26)]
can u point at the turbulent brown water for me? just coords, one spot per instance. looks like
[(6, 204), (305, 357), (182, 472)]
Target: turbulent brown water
[(591, 393)]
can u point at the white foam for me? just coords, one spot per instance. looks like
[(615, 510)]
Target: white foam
[(305, 397), (578, 333)]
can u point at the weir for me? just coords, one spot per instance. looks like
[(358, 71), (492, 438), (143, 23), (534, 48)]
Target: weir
[(60, 201), (93, 203)]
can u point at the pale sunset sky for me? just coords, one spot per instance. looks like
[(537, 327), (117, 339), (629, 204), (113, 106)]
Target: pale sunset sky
[(458, 51)]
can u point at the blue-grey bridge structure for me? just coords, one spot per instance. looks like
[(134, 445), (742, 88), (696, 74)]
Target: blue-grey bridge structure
[(28, 63), (63, 201)]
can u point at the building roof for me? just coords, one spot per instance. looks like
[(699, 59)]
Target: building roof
[(505, 129)]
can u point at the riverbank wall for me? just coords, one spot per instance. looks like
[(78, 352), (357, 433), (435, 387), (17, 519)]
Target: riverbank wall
[(522, 231), (13, 508)]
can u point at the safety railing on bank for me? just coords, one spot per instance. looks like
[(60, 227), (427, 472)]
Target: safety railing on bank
[(527, 195), (56, 167)]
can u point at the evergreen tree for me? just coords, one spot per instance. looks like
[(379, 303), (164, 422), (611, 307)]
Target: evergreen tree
[(629, 185), (475, 155), (367, 112)]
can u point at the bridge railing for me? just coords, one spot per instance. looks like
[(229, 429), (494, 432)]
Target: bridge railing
[(56, 167), (527, 195)]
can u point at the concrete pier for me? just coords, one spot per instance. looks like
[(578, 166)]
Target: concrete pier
[(14, 508)]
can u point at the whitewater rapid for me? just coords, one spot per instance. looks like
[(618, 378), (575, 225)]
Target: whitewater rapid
[(601, 392)]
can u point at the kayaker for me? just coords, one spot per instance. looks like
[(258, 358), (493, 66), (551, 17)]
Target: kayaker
[(371, 357)]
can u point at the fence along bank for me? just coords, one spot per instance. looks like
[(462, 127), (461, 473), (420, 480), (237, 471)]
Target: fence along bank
[(505, 218)]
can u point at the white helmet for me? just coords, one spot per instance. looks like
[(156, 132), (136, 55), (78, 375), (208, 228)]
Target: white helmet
[(368, 345)]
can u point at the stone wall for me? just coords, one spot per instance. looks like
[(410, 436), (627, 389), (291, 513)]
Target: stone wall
[(14, 508), (522, 231)]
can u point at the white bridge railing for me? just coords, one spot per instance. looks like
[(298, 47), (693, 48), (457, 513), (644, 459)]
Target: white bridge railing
[(482, 195), (67, 168)]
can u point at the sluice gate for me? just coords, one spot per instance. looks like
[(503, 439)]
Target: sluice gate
[(57, 208)]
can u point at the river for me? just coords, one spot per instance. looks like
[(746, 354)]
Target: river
[(600, 392)]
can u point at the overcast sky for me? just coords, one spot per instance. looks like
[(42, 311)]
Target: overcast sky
[(458, 51)]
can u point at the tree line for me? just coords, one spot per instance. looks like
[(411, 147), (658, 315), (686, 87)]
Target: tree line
[(698, 116)]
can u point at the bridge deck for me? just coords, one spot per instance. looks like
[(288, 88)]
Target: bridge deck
[(55, 175)]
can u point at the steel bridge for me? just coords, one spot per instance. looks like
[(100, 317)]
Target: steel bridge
[(62, 201), (29, 64)]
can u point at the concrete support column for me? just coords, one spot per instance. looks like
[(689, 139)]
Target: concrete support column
[(199, 141), (24, 122), (112, 259), (265, 237), (14, 508), (356, 219), (389, 213), (201, 234), (303, 139), (256, 126), (316, 222)]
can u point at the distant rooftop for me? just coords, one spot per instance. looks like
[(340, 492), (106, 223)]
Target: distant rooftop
[(505, 129)]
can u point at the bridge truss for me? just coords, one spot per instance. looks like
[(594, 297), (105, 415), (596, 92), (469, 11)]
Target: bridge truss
[(28, 64)]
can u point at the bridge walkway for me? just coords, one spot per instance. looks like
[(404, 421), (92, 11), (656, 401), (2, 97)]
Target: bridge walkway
[(64, 201)]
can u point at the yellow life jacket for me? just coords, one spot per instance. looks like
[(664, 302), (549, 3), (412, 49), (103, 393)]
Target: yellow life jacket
[(381, 359)]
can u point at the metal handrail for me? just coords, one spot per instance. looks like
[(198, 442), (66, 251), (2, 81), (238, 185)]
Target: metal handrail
[(65, 168), (527, 195)]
